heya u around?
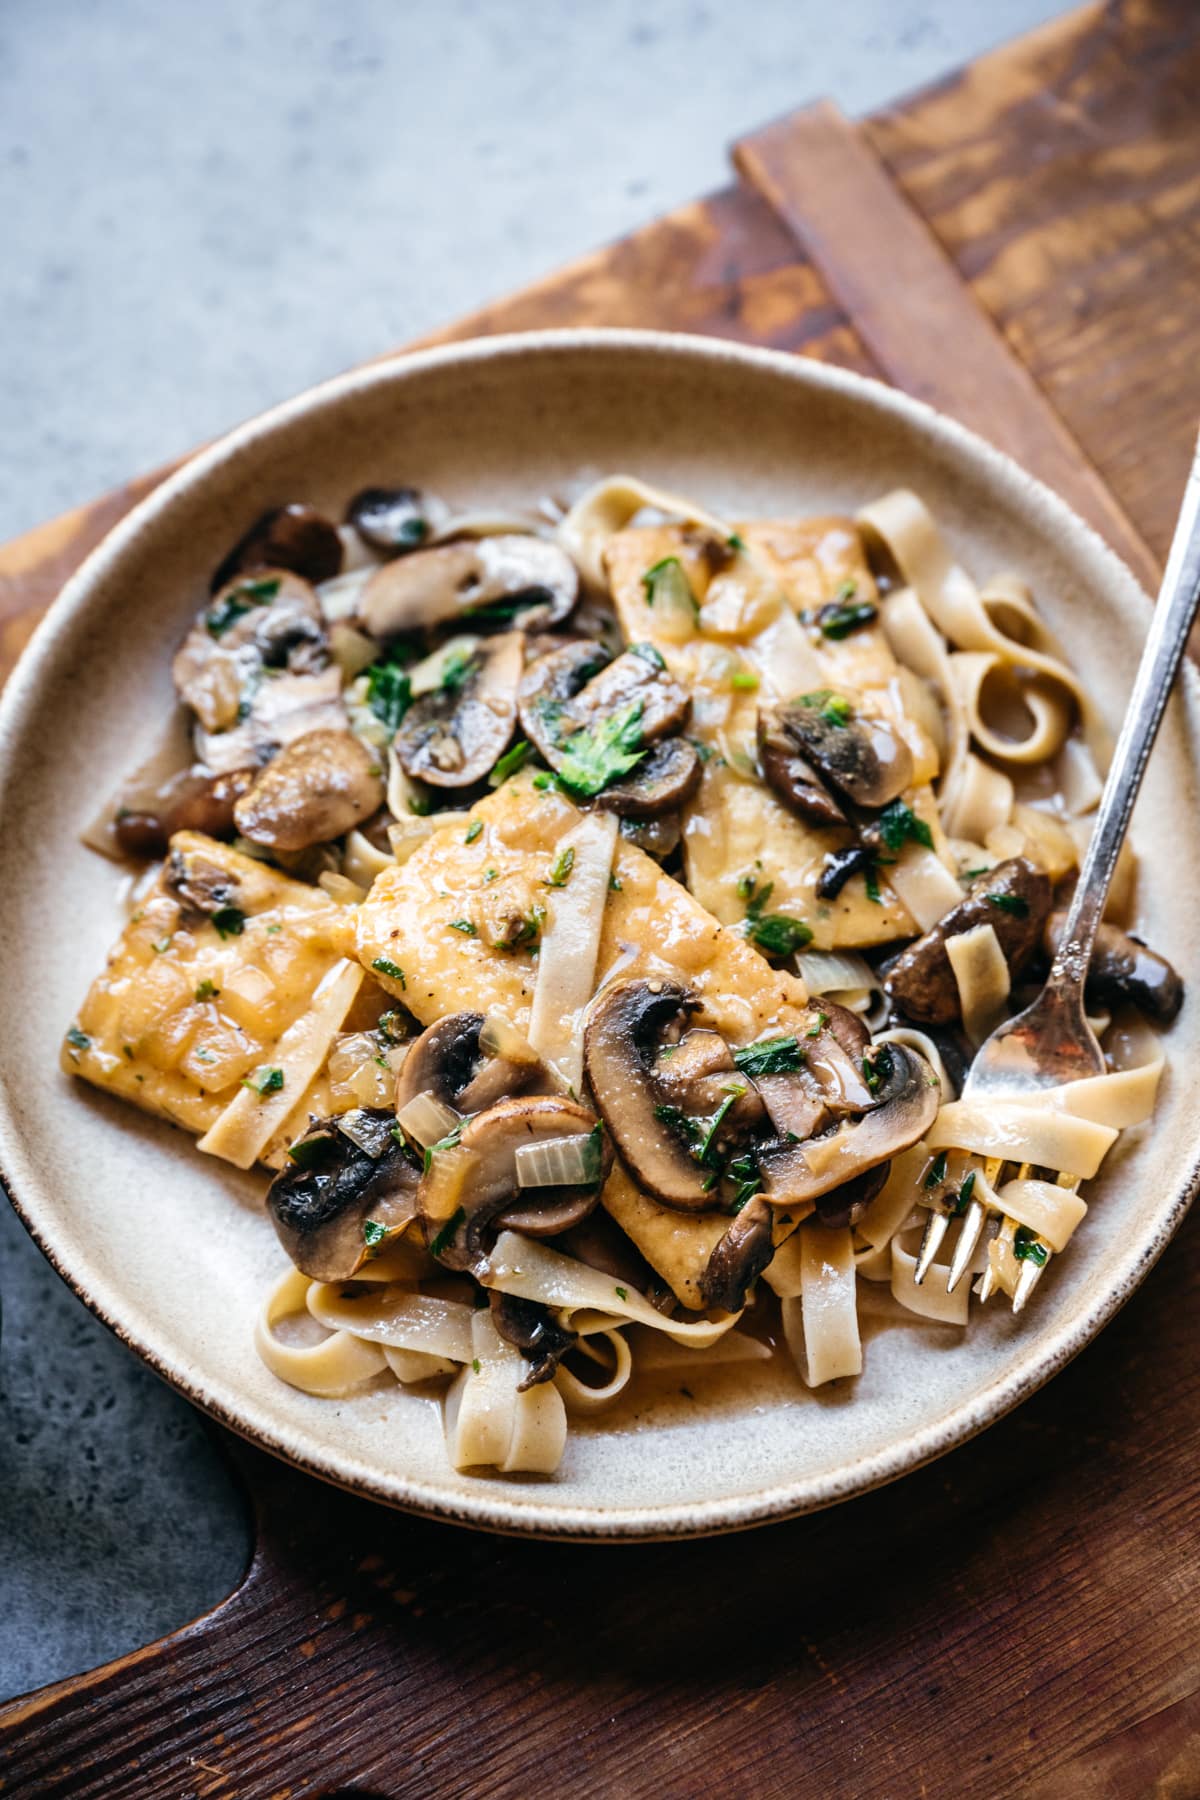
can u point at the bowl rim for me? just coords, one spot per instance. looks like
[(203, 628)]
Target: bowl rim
[(523, 1512)]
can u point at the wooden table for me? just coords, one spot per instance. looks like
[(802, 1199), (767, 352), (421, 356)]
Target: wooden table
[(1019, 244)]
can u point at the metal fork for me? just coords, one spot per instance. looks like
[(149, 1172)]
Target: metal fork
[(1051, 1042)]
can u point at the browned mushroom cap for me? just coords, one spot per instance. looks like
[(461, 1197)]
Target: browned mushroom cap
[(318, 788), (548, 686), (657, 836), (289, 537), (395, 520), (698, 1074), (533, 1330), (793, 779), (344, 1172), (448, 1062), (194, 800), (864, 759), (638, 676), (621, 1044), (1013, 898), (1124, 969), (739, 1257), (201, 887), (278, 711), (469, 1184), (271, 620), (486, 581), (453, 737), (665, 779), (846, 1205), (906, 1102)]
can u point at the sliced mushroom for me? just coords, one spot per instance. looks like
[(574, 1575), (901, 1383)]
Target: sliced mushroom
[(448, 1062), (533, 1330), (792, 777), (280, 709), (665, 779), (846, 1205), (740, 1257), (906, 1102), (470, 1184), (636, 677), (288, 537), (1123, 969), (1013, 898), (699, 1074), (548, 686), (621, 1044), (395, 520), (334, 1185), (454, 737), (864, 759), (658, 837), (490, 580), (840, 865), (318, 788), (194, 800), (201, 887), (269, 620)]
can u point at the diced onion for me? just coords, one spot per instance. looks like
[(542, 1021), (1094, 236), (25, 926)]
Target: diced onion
[(843, 974), (427, 1120), (498, 1036), (558, 1162)]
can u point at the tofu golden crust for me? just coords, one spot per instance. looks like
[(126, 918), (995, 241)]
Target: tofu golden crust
[(186, 1007)]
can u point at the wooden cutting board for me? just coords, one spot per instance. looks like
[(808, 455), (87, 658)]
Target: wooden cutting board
[(1020, 245)]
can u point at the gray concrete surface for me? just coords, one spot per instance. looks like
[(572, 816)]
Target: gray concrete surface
[(206, 207)]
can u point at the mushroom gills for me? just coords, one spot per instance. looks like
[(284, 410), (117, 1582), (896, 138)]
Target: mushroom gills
[(454, 737), (338, 1201), (906, 1103)]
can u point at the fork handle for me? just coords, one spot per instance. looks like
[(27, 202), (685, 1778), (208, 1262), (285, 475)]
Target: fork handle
[(1178, 600)]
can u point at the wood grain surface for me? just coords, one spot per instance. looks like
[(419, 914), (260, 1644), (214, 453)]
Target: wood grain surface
[(1018, 1619)]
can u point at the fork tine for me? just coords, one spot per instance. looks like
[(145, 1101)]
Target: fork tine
[(935, 1230), (1027, 1280), (972, 1226)]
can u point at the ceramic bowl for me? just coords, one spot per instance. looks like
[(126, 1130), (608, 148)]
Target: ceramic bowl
[(173, 1250)]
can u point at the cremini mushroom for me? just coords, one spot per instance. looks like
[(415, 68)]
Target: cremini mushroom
[(288, 537), (1013, 898), (740, 1256), (347, 1173), (268, 620), (549, 684), (449, 1062), (394, 521), (533, 1330), (453, 737), (489, 580), (319, 787), (201, 887), (280, 709), (194, 800), (906, 1098), (1124, 969), (472, 1181), (793, 778), (865, 760), (665, 779), (698, 1074)]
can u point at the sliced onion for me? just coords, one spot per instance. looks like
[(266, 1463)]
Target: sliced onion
[(498, 1036), (363, 1131), (427, 1120), (558, 1162)]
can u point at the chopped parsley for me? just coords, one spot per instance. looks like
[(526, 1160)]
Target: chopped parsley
[(465, 926), (207, 990), (704, 751), (844, 614), (543, 780), (614, 885), (667, 581), (229, 921), (770, 1056), (937, 1171), (818, 1028), (970, 874), (964, 1195), (445, 1236), (649, 654), (898, 823), (709, 1140), (744, 1171), (455, 670), (835, 709), (510, 762), (735, 542), (600, 753), (743, 681), (1027, 1246), (387, 967), (78, 1040), (877, 1068), (491, 874), (521, 932), (390, 1027), (373, 1233), (473, 831), (871, 883), (593, 1154), (560, 871), (389, 692), (264, 1081), (776, 933), (160, 945), (1014, 904), (234, 605), (621, 1293), (475, 1364)]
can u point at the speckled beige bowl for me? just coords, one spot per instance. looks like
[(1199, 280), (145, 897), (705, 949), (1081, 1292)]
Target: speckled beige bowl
[(173, 1251)]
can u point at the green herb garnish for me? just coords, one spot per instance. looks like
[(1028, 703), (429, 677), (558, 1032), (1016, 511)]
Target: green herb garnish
[(207, 990), (386, 967), (510, 762), (735, 541), (1027, 1247), (465, 926), (843, 614), (78, 1040), (614, 885), (264, 1081), (779, 935), (234, 605), (818, 1028), (160, 945), (621, 1293), (229, 921), (743, 681), (835, 709), (964, 1195), (937, 1170), (311, 1151), (560, 871), (473, 831), (770, 1056), (389, 692), (1014, 904), (871, 883), (898, 823), (475, 1364), (877, 1068), (373, 1233), (667, 581), (455, 670), (600, 753), (650, 654), (390, 1027), (521, 933), (445, 1236)]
